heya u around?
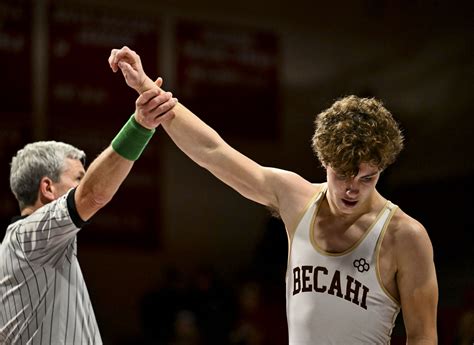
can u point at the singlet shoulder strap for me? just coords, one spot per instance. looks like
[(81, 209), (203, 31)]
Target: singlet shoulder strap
[(315, 199), (382, 222)]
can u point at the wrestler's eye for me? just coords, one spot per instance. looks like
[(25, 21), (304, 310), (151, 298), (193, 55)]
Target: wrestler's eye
[(367, 179)]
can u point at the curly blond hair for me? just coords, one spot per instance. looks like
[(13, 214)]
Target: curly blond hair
[(356, 130)]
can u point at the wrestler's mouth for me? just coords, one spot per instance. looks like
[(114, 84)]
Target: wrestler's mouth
[(349, 203)]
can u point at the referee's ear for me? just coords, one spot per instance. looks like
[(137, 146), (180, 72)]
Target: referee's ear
[(46, 192)]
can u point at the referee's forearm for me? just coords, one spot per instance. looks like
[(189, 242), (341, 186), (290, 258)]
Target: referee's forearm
[(101, 182)]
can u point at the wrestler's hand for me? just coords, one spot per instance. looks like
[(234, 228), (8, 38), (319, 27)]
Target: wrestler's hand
[(153, 107), (130, 64)]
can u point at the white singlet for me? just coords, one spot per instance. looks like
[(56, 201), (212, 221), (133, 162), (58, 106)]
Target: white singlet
[(338, 298)]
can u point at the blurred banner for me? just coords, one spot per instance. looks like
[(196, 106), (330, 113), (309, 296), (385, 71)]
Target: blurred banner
[(15, 56), (228, 75), (88, 104), (16, 91)]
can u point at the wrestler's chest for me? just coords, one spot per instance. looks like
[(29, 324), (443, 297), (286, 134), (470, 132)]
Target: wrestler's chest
[(340, 240)]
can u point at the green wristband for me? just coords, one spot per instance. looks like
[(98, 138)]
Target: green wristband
[(132, 140)]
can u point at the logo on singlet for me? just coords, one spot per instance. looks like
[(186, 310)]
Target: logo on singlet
[(362, 265)]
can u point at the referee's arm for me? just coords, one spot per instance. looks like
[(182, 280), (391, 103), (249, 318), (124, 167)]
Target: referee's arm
[(107, 172), (101, 181)]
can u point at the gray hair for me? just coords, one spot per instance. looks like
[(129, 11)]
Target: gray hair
[(35, 161)]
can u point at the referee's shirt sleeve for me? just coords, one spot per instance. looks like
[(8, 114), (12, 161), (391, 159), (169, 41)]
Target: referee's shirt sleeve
[(44, 236)]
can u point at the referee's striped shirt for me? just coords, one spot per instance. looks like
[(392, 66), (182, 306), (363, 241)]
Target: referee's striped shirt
[(43, 297)]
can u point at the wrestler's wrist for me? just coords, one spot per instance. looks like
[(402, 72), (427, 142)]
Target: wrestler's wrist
[(146, 85), (132, 139)]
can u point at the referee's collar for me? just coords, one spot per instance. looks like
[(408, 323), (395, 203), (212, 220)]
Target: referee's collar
[(17, 218)]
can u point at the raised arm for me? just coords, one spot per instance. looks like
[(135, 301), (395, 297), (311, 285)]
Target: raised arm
[(268, 186), (107, 172)]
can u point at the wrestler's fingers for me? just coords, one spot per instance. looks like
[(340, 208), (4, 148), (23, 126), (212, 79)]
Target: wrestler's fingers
[(126, 54), (111, 60), (125, 67)]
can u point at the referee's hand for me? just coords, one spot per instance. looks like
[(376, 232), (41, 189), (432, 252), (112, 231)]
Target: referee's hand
[(154, 106)]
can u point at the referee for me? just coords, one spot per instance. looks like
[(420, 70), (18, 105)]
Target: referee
[(43, 296)]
